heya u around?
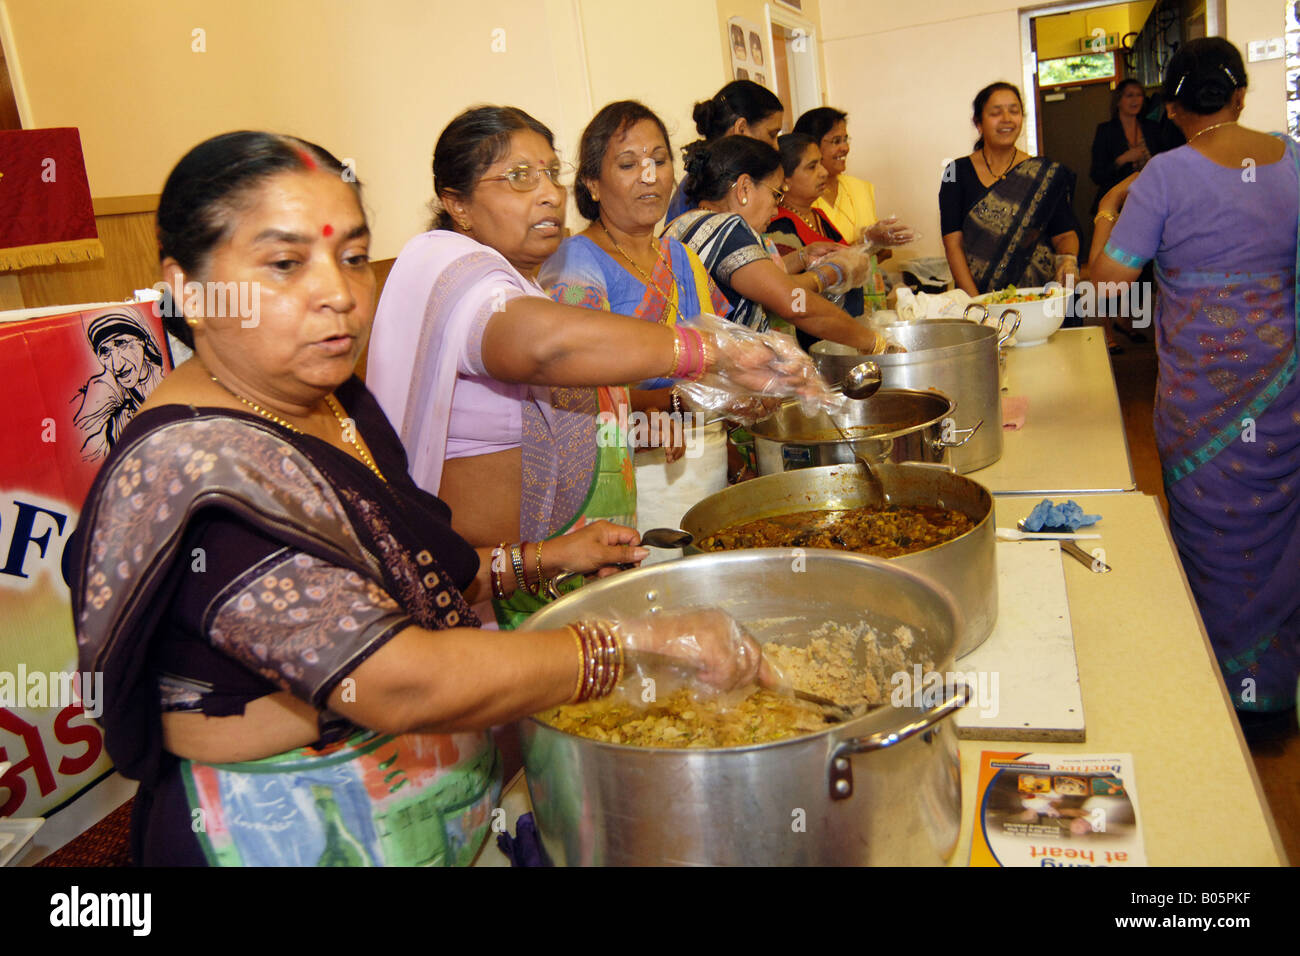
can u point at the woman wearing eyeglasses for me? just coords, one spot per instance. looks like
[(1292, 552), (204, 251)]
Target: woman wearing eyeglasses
[(736, 185), (847, 201), (508, 403)]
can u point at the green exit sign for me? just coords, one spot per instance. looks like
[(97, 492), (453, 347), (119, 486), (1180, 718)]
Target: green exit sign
[(1099, 43)]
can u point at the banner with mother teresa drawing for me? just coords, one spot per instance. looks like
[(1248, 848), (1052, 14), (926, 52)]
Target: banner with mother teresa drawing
[(72, 382)]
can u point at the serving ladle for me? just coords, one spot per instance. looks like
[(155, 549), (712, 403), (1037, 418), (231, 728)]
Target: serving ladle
[(667, 538), (862, 381)]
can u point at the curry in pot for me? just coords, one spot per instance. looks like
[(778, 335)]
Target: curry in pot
[(883, 532)]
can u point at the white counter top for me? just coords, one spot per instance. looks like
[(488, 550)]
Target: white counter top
[(1150, 687), (1073, 438)]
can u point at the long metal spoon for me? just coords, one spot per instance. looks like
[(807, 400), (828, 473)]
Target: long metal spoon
[(667, 538), (1095, 565)]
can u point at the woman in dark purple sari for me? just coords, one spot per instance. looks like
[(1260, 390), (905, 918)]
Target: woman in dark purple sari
[(293, 670), (1220, 218)]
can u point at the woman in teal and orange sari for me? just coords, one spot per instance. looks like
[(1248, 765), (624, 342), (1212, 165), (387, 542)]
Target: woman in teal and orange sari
[(510, 406), (625, 178), (1227, 408)]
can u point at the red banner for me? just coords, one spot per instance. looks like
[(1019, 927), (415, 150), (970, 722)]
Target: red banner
[(74, 381)]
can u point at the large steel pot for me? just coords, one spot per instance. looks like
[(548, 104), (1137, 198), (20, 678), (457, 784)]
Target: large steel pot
[(884, 789), (956, 358), (893, 425), (965, 566)]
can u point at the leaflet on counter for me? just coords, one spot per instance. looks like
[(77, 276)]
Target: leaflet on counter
[(1037, 809)]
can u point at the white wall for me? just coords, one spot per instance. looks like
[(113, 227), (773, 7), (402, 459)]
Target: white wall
[(374, 80), (1266, 97), (907, 73)]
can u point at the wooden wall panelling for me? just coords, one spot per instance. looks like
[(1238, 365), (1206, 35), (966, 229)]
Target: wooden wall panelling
[(130, 262)]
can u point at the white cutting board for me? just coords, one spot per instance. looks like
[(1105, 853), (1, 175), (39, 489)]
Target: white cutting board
[(1031, 652)]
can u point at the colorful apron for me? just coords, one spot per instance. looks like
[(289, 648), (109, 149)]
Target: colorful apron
[(371, 800), (612, 496)]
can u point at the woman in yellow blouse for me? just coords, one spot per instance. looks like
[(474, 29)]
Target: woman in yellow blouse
[(848, 202)]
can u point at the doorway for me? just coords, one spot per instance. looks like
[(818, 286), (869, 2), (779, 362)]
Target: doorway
[(794, 64), (1078, 54)]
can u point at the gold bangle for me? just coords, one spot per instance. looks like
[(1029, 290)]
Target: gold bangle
[(517, 560), (1107, 215), (705, 358), (677, 353), (540, 576)]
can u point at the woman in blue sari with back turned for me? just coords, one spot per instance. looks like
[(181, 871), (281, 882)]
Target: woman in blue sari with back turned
[(1222, 232)]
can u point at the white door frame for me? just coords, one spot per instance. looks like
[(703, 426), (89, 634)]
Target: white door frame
[(805, 78), (1215, 25)]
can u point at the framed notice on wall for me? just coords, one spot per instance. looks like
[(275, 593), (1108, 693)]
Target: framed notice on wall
[(751, 54)]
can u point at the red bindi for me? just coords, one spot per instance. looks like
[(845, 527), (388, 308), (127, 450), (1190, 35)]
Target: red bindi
[(327, 231)]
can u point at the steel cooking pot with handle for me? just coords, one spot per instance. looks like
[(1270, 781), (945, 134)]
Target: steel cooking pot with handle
[(893, 425), (966, 566), (884, 789)]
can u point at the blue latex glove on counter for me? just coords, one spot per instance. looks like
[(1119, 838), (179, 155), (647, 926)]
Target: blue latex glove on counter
[(525, 847), (1067, 515)]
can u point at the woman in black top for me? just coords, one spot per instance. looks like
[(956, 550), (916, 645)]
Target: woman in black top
[(1123, 144), (1005, 216)]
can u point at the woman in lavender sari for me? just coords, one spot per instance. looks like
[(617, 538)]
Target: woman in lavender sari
[(1219, 217)]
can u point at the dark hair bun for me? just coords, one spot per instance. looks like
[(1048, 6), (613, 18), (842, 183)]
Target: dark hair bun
[(1212, 93), (1203, 74), (697, 159), (714, 168), (704, 115)]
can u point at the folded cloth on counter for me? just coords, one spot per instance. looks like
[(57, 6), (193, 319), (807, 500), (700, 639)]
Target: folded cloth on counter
[(915, 306), (1013, 411), (525, 847), (1046, 514)]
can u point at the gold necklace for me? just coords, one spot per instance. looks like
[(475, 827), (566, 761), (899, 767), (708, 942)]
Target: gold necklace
[(669, 298), (1208, 128), (334, 407), (810, 221)]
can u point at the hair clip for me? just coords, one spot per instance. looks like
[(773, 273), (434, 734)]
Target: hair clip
[(1181, 80), (1230, 76)]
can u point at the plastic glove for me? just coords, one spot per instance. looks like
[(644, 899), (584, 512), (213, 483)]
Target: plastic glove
[(1067, 269), (1069, 514), (854, 263), (707, 644), (749, 364), (890, 232)]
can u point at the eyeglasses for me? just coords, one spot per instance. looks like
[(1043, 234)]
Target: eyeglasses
[(838, 140), (525, 179), (777, 194)]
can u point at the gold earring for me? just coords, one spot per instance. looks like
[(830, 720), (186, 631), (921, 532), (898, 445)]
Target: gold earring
[(191, 322), (744, 200)]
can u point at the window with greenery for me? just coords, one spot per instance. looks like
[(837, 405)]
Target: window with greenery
[(1076, 69)]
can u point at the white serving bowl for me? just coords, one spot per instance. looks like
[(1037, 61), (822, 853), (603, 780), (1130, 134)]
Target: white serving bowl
[(1038, 320)]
